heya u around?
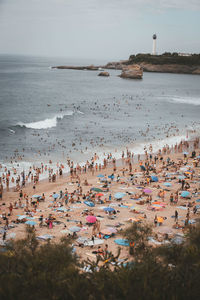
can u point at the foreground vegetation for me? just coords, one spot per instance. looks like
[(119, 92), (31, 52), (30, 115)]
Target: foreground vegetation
[(29, 270)]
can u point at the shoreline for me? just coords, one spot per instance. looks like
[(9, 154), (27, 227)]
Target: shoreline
[(136, 148)]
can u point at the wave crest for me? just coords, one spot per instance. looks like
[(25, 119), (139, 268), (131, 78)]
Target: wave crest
[(186, 100), (47, 123)]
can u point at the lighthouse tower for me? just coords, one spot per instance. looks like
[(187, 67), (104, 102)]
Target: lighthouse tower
[(154, 44)]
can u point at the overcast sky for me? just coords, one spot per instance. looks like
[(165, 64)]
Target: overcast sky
[(102, 29)]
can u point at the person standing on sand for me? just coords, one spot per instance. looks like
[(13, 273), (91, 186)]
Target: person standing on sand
[(176, 216), (11, 208)]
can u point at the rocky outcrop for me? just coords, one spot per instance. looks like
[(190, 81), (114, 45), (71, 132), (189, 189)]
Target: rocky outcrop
[(106, 74), (170, 68), (89, 68), (132, 72)]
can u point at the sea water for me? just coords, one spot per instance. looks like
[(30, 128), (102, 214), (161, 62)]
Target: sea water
[(56, 114)]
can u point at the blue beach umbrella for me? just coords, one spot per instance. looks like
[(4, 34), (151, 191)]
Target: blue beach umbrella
[(119, 195), (31, 223), (36, 196), (181, 177), (168, 184), (122, 242), (142, 168), (154, 178), (100, 175), (186, 153), (55, 196), (111, 176), (185, 194), (61, 209), (89, 203), (21, 217), (109, 209)]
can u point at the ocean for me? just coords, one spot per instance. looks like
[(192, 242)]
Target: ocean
[(56, 114)]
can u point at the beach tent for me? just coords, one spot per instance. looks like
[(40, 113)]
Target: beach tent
[(122, 242)]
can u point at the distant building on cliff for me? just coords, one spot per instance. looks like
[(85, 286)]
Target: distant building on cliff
[(154, 44), (184, 54)]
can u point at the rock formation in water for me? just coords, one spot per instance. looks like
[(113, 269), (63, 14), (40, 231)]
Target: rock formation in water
[(106, 74), (132, 72)]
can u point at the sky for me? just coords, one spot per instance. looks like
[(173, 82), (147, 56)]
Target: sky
[(98, 29)]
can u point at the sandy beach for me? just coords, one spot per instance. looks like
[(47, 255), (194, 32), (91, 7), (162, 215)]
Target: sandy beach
[(147, 188)]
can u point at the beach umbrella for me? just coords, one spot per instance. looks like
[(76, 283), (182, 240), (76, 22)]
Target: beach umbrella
[(168, 184), (36, 196), (61, 209), (142, 168), (99, 195), (91, 219), (100, 175), (111, 176), (154, 178), (96, 189), (74, 229), (185, 194), (109, 209), (119, 195), (31, 223), (22, 217), (89, 203), (181, 177), (186, 153), (122, 242), (147, 191), (55, 196)]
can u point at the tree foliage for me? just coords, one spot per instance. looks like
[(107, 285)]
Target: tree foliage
[(29, 270)]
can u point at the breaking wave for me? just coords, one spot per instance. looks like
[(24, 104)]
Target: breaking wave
[(47, 123), (186, 100)]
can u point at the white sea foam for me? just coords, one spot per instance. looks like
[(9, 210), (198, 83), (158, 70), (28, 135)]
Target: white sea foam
[(11, 131), (186, 100), (47, 123)]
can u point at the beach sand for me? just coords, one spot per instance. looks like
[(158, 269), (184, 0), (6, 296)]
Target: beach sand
[(183, 166)]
